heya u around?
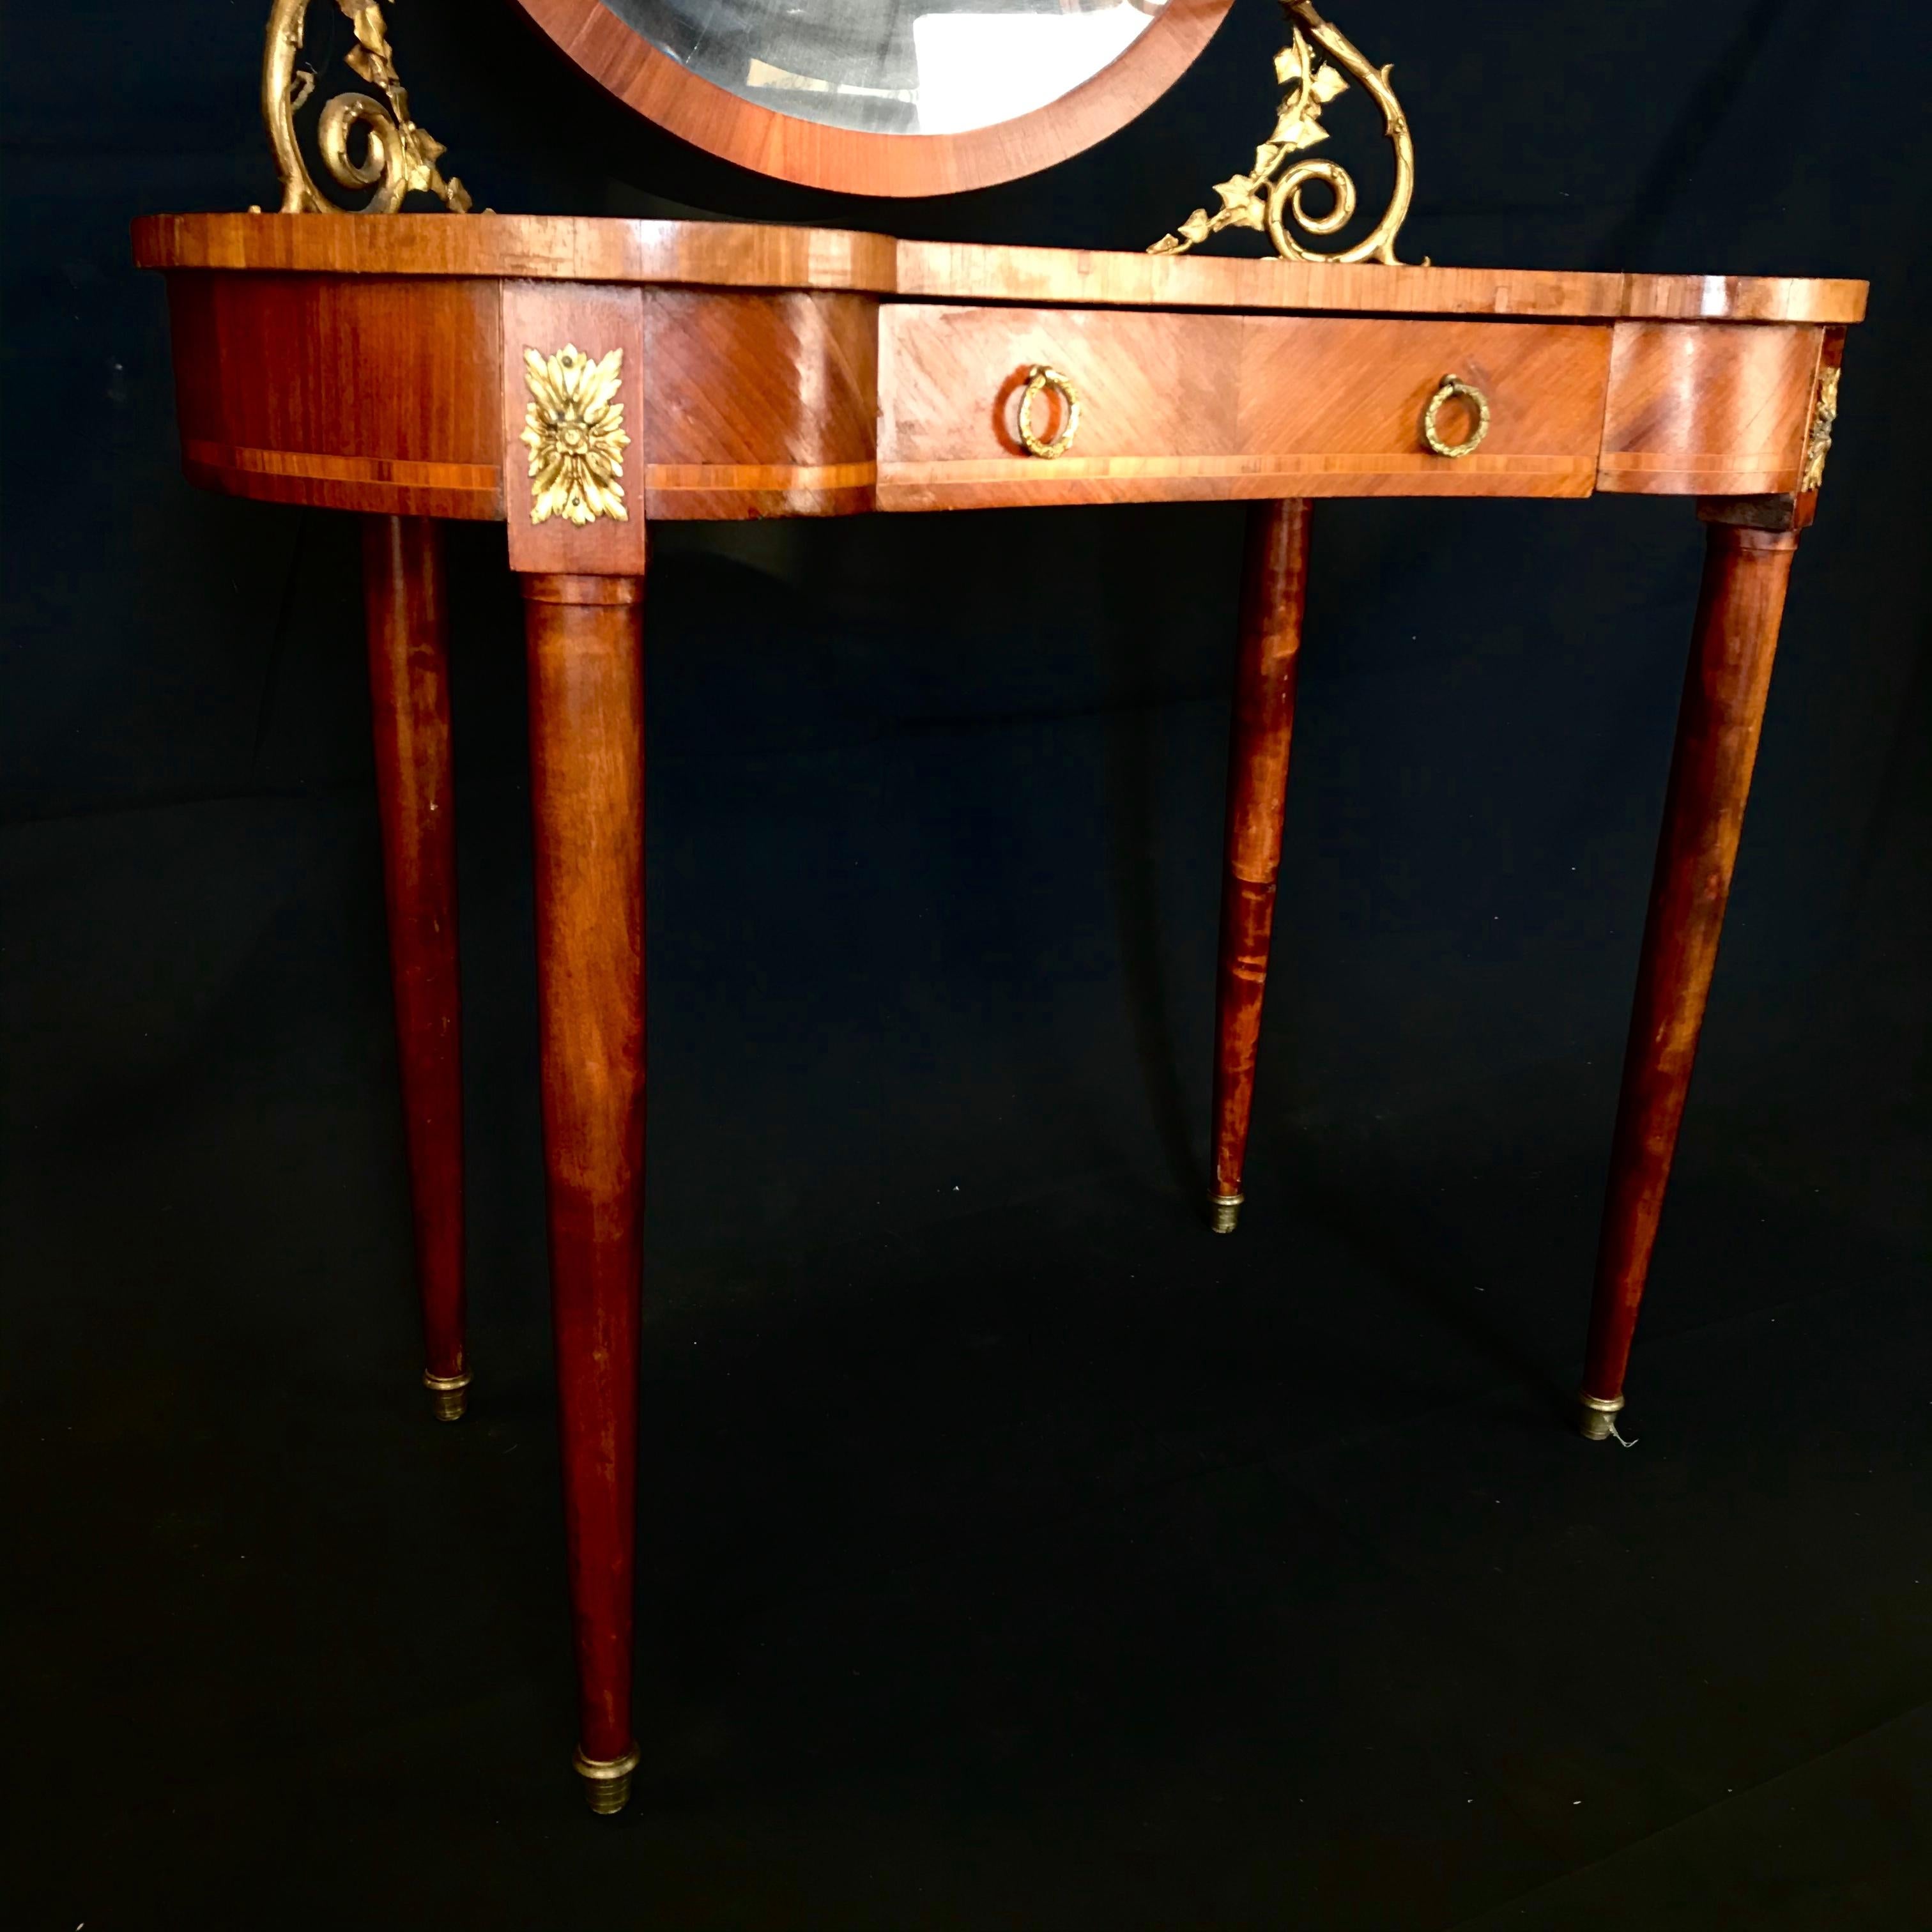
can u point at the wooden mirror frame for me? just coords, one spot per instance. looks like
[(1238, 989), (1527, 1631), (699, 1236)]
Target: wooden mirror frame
[(648, 81)]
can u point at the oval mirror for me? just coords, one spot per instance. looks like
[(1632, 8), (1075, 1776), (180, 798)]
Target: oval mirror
[(885, 96)]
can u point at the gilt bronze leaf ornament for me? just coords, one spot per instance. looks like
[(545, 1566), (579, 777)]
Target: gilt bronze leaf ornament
[(1269, 195), (574, 426), (1824, 422), (398, 156)]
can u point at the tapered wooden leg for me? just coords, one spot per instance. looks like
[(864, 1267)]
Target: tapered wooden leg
[(1273, 591), (585, 637), (1742, 602), (408, 693)]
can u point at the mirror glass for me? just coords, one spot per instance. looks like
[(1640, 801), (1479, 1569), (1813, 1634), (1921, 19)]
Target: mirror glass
[(893, 67)]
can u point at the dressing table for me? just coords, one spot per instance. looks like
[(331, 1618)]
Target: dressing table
[(576, 380)]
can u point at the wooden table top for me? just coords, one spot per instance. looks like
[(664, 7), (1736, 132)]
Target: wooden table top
[(721, 254)]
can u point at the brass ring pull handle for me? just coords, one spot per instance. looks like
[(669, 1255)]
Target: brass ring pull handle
[(1041, 377), (1452, 387)]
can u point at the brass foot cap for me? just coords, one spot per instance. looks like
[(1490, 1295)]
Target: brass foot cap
[(448, 1395), (607, 1781), (1599, 1416), (1223, 1211)]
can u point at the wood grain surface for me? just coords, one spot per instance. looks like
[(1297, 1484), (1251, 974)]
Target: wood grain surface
[(376, 365), (586, 658), (347, 392), (967, 272), (1708, 409), (1267, 658), (763, 405), (1740, 606), (721, 254), (1180, 406), (405, 605)]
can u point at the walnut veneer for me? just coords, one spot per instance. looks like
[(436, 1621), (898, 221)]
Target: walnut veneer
[(377, 366), (796, 372)]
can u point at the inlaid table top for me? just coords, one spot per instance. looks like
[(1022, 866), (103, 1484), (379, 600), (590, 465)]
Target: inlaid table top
[(720, 254)]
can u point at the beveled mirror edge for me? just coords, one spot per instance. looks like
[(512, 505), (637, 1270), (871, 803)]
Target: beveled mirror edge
[(649, 82)]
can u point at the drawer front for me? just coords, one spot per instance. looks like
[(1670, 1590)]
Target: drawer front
[(1221, 406)]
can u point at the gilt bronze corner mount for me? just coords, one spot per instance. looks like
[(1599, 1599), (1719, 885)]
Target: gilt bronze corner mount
[(1824, 424), (574, 426), (1269, 197)]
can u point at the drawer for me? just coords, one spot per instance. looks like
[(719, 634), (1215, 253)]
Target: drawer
[(1225, 406)]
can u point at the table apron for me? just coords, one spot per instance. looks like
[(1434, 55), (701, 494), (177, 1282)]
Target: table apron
[(401, 395)]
